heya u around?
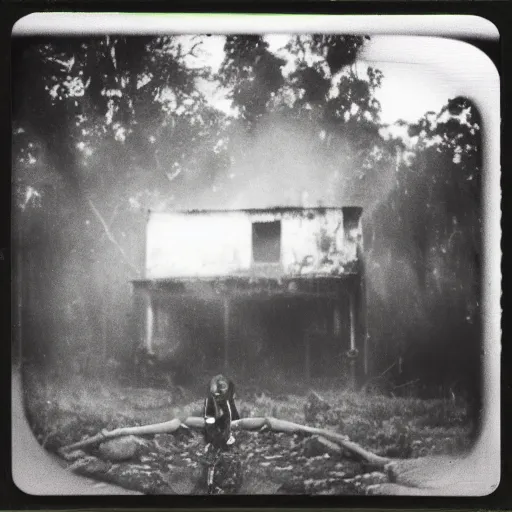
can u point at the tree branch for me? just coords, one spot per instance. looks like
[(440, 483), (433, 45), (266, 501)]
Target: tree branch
[(436, 475), (273, 424), (277, 425), (191, 51), (114, 214), (111, 236)]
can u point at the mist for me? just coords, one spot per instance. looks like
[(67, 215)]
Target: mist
[(108, 131), (81, 238)]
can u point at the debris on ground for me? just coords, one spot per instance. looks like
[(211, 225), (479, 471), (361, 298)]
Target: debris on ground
[(315, 408), (268, 462), (318, 445)]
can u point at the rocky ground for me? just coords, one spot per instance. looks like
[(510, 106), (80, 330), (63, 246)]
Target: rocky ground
[(261, 462)]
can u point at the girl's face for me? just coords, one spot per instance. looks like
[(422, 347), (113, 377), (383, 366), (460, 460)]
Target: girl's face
[(219, 387)]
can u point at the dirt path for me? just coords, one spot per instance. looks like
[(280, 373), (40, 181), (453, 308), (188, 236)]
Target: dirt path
[(37, 472)]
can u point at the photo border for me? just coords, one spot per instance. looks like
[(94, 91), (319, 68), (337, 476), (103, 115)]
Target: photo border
[(14, 501)]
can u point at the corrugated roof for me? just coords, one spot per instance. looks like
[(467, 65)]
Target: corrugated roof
[(275, 209)]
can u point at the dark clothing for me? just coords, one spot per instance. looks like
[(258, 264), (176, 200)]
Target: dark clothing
[(220, 406)]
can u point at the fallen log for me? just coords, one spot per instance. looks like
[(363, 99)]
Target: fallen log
[(289, 427), (415, 477), (273, 424), (167, 427)]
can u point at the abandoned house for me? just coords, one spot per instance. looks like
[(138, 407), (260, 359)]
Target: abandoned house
[(249, 291)]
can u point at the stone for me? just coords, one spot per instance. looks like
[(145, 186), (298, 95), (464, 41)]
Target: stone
[(119, 449), (90, 466), (73, 456)]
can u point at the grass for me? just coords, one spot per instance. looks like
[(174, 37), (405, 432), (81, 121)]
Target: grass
[(61, 413)]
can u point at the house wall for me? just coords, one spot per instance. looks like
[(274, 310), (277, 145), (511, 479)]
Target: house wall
[(212, 244), (197, 245)]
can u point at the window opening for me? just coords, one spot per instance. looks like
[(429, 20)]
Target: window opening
[(266, 242)]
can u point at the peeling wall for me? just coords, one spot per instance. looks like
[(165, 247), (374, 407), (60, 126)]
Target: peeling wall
[(211, 244), (190, 245)]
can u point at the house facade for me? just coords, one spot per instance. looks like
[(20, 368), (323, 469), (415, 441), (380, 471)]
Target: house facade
[(236, 290)]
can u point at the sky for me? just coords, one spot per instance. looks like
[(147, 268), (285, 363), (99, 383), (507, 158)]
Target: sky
[(408, 90)]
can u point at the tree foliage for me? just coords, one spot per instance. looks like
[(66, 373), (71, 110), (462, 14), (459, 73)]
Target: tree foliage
[(252, 75), (326, 103), (130, 100), (435, 241), (106, 127)]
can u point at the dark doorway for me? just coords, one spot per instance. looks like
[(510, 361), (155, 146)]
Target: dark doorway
[(268, 337), (266, 242)]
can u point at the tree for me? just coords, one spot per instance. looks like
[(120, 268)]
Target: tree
[(252, 75), (103, 129), (106, 128), (426, 240), (316, 115)]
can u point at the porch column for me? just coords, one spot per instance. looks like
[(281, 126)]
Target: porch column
[(363, 333), (337, 331), (353, 347), (150, 321), (336, 319), (352, 323)]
